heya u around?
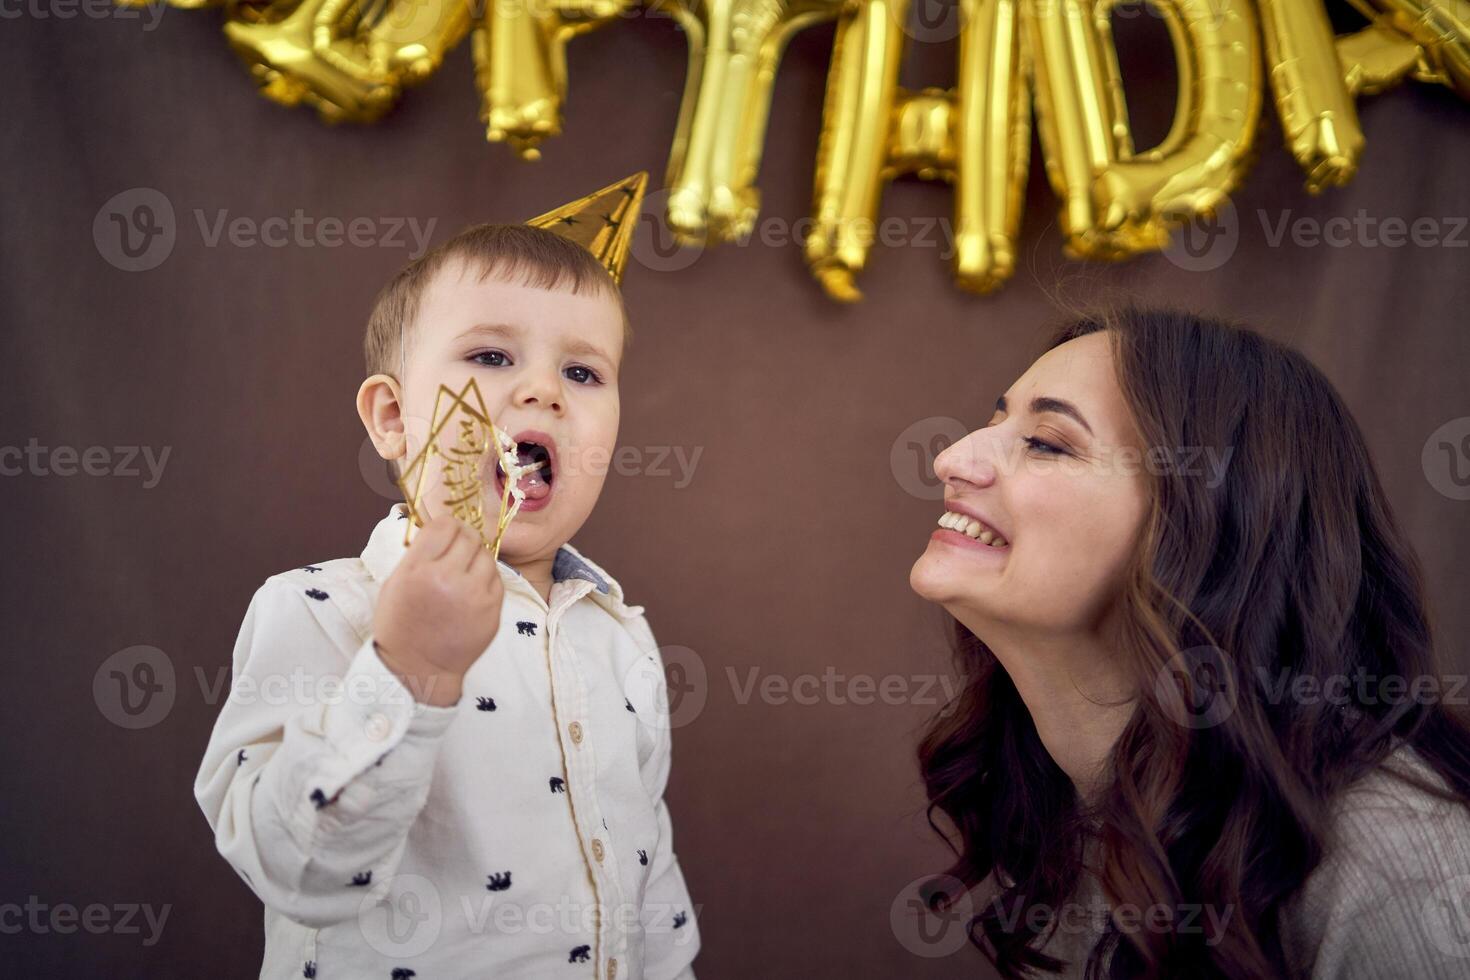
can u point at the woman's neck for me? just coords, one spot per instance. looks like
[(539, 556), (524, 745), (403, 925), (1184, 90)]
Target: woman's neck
[(1078, 695)]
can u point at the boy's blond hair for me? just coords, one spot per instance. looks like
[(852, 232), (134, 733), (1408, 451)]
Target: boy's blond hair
[(515, 253)]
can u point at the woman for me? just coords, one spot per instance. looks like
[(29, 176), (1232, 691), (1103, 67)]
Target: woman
[(1200, 688)]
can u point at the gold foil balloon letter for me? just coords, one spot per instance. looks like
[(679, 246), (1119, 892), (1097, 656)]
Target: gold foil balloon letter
[(521, 67), (348, 59), (734, 50), (1117, 201)]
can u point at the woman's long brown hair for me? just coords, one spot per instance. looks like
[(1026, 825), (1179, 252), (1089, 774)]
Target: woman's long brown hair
[(1289, 566)]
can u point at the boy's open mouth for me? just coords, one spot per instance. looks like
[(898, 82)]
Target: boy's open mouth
[(540, 453)]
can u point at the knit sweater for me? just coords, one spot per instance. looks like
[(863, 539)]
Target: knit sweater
[(1389, 901)]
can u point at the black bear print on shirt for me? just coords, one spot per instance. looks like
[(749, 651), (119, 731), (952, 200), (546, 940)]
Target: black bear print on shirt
[(680, 918), (498, 882), (316, 594), (580, 954), (642, 856), (362, 878), (629, 705), (240, 758), (309, 970), (485, 704), (310, 568), (558, 785), (319, 798), (402, 973), (526, 629)]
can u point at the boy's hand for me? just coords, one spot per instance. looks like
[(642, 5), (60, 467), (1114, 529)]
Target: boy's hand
[(439, 610)]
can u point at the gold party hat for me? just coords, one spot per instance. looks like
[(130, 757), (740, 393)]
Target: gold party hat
[(602, 222)]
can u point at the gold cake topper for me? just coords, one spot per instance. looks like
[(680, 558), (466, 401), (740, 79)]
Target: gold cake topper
[(602, 222), (464, 413)]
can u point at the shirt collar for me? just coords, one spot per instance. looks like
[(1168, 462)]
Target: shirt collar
[(385, 549)]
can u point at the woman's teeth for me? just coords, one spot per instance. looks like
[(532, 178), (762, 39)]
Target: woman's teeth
[(968, 526)]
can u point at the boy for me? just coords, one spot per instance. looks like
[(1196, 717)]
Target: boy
[(470, 781)]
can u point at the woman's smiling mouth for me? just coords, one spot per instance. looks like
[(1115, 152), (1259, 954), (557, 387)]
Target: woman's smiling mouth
[(962, 529)]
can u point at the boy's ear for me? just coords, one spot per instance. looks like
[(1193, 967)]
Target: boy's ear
[(380, 406)]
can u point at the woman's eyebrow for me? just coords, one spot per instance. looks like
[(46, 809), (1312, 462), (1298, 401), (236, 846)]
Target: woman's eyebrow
[(1045, 403)]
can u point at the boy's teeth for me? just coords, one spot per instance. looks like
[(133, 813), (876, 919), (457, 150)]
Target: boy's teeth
[(955, 521)]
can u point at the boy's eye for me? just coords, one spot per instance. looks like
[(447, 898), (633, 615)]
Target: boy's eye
[(491, 358), (582, 375)]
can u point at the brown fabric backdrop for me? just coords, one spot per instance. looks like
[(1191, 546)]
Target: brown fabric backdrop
[(798, 825)]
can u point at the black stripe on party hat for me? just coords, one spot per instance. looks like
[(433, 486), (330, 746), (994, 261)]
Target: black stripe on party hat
[(602, 222)]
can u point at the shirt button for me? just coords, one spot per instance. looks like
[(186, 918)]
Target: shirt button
[(378, 726), (597, 850), (575, 728)]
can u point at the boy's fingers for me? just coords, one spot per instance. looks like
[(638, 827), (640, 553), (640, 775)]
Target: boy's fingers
[(461, 549), (437, 537), (480, 557)]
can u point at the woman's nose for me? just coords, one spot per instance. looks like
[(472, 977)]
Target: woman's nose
[(971, 461)]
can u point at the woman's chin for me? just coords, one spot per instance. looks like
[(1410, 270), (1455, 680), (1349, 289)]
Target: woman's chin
[(932, 580), (947, 580)]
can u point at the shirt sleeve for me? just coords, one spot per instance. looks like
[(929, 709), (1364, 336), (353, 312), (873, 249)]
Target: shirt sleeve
[(319, 762), (670, 929)]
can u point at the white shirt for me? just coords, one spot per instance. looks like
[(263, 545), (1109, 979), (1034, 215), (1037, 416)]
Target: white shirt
[(518, 833)]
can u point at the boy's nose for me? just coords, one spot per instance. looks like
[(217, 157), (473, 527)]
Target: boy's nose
[(537, 389)]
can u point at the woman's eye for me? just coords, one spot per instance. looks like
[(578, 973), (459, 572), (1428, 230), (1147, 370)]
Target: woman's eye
[(582, 375), (491, 358), (1044, 447)]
